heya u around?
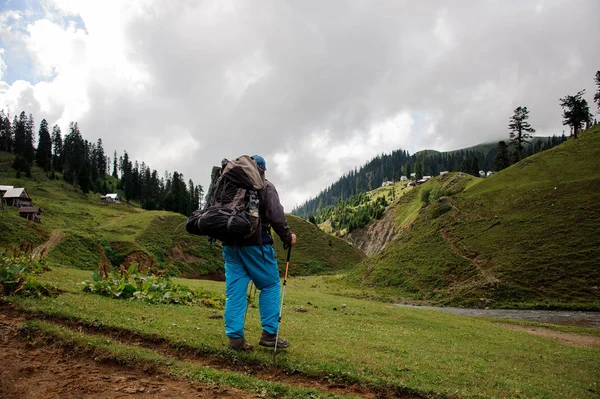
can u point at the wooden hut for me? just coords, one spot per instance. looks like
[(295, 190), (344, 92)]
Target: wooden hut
[(17, 197), (32, 213)]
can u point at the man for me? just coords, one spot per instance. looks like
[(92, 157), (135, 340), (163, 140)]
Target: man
[(254, 259)]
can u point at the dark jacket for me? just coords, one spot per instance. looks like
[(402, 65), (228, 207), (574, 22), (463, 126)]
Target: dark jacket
[(271, 216)]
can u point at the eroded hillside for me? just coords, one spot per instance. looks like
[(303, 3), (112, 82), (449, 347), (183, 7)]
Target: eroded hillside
[(526, 236)]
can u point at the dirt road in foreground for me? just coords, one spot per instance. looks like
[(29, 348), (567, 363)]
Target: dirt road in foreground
[(31, 371)]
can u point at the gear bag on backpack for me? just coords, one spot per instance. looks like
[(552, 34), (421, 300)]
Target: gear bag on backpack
[(231, 212)]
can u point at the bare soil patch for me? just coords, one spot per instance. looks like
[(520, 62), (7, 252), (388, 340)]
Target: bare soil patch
[(571, 339), (43, 249), (31, 371), (372, 238), (66, 375), (177, 253)]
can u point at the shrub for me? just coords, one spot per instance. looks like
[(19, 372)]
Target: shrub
[(425, 195), (149, 288), (17, 275)]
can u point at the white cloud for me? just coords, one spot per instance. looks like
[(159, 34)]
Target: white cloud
[(56, 50), (282, 165), (443, 30), (317, 87), (20, 96), (392, 132), (239, 76), (175, 143), (2, 63), (360, 146)]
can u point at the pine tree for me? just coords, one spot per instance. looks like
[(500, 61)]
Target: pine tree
[(501, 161), (19, 134), (43, 154), (177, 197), (57, 149), (193, 202), (136, 181), (101, 162), (576, 112), (115, 166), (84, 174), (474, 167), (74, 155), (21, 163), (94, 175), (597, 95), (520, 129), (6, 138), (29, 151), (127, 176)]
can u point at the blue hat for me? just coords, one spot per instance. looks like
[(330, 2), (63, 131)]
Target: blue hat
[(260, 161)]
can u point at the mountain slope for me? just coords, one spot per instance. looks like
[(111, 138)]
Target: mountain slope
[(82, 232), (526, 236)]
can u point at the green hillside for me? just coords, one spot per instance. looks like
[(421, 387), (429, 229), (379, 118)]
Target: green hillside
[(82, 232), (317, 252), (526, 236)]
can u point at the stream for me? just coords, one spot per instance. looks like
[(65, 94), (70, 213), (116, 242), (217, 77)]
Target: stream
[(563, 317)]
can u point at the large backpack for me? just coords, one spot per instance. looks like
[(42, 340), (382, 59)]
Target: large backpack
[(231, 212)]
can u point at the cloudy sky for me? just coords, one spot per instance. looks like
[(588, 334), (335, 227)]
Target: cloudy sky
[(316, 87)]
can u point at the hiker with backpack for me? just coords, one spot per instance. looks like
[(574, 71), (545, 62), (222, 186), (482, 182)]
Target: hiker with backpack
[(241, 209)]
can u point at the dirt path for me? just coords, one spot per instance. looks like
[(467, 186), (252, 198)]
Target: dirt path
[(576, 340), (79, 367), (485, 273), (43, 249), (35, 371)]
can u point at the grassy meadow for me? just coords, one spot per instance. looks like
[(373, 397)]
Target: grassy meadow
[(84, 230), (335, 338), (524, 237)]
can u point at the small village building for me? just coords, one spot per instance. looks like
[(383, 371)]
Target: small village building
[(403, 178), (387, 183), (17, 197), (110, 198), (410, 184), (489, 173), (443, 173), (4, 189), (31, 213), (481, 173)]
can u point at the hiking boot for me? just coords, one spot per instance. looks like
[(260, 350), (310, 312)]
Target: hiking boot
[(267, 339), (239, 344)]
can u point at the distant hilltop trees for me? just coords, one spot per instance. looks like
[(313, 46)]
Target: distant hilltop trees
[(398, 164), (392, 167), (85, 165)]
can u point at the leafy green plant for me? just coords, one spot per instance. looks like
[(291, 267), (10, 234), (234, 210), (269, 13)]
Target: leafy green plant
[(150, 288), (17, 272)]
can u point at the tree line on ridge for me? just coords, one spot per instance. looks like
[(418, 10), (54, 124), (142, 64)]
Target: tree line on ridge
[(575, 112), (84, 164)]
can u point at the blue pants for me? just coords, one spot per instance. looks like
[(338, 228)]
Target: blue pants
[(243, 264)]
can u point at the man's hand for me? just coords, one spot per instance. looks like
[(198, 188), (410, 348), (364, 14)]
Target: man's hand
[(293, 239)]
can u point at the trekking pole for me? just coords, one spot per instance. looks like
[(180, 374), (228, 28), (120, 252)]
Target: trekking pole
[(287, 265), (248, 300)]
